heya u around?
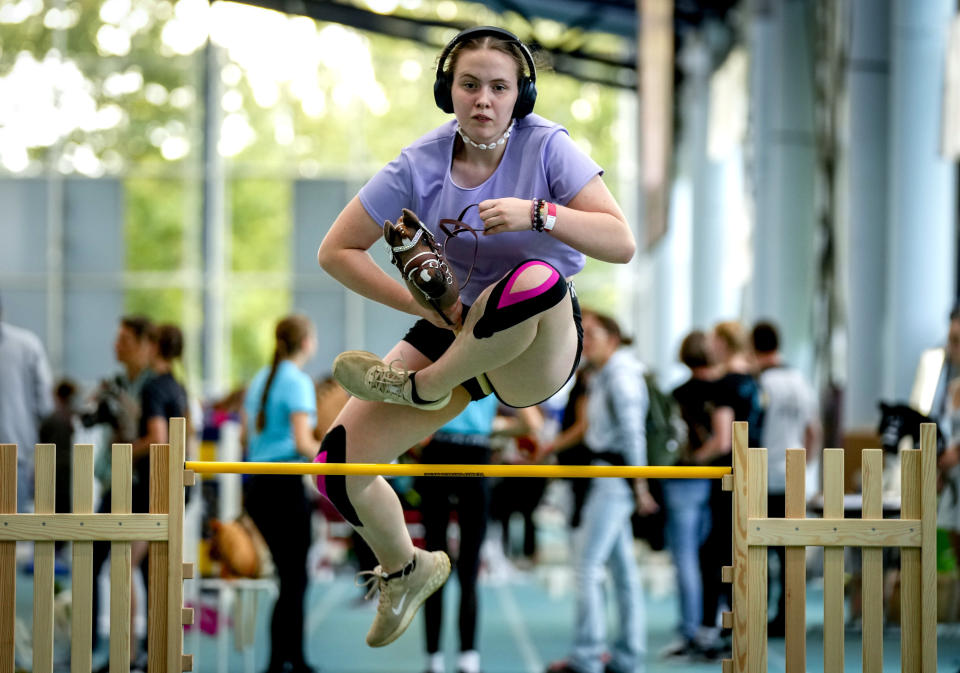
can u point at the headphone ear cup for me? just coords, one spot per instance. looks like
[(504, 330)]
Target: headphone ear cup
[(441, 94), (526, 97)]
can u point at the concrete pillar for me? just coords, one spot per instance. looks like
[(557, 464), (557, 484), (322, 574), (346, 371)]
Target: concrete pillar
[(863, 178), (783, 171), (922, 192), (708, 197)]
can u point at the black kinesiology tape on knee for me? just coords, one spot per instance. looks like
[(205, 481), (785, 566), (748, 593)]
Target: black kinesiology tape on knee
[(506, 308), (335, 444)]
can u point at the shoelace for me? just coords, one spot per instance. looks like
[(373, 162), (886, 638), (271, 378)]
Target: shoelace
[(373, 583), (389, 380)]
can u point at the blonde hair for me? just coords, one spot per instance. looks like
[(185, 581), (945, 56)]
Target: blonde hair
[(732, 334)]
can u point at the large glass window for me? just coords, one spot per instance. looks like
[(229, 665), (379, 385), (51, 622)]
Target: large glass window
[(119, 90)]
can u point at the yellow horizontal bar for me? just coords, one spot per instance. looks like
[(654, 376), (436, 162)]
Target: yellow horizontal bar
[(833, 532), (84, 527), (421, 470)]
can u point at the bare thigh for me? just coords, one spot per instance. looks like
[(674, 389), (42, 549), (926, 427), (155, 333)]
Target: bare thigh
[(541, 370)]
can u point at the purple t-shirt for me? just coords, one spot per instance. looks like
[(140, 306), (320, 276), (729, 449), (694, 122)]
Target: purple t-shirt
[(540, 162)]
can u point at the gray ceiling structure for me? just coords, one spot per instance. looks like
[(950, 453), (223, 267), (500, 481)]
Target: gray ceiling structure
[(610, 62)]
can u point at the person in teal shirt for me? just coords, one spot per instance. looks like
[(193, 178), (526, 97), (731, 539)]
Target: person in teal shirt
[(281, 411)]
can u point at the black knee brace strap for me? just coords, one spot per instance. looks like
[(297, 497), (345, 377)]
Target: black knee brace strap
[(334, 444), (506, 308)]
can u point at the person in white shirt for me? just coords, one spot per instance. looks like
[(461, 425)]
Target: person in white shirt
[(26, 397), (790, 420)]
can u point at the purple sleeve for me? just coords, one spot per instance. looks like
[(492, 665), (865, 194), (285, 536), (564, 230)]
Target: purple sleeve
[(388, 191), (568, 168)]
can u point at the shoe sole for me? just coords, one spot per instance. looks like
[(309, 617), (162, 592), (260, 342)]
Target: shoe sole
[(417, 601)]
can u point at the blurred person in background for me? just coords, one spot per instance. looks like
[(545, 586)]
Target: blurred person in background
[(513, 327), (518, 495), (116, 403), (617, 407), (687, 501), (58, 429), (736, 397), (280, 417), (465, 440), (25, 399), (790, 421), (567, 446), (162, 397)]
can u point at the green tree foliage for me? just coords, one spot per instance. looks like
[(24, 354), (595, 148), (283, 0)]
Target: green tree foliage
[(129, 102)]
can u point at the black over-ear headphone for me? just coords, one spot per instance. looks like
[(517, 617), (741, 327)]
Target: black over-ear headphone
[(527, 92)]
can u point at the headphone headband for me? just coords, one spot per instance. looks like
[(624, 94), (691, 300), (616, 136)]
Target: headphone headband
[(483, 31), (527, 94)]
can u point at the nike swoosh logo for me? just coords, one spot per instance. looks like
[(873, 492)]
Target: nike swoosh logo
[(403, 599)]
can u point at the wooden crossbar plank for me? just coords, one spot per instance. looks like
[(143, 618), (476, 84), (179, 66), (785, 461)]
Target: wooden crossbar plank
[(81, 578), (872, 573), (44, 502), (795, 559), (159, 560), (833, 618), (757, 567), (121, 501), (741, 472), (178, 439), (910, 559), (834, 533), (8, 557), (86, 527), (928, 550)]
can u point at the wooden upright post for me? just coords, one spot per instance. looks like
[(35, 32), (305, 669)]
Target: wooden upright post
[(44, 502), (176, 661), (928, 549), (872, 574), (741, 472), (795, 573), (82, 619), (833, 616), (121, 502), (8, 558)]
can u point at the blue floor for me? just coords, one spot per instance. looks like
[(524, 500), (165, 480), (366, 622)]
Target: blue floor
[(522, 629)]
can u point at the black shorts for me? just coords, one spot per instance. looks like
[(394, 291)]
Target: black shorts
[(434, 341)]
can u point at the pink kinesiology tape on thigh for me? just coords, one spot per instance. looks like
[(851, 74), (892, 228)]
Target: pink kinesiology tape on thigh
[(510, 297), (507, 307)]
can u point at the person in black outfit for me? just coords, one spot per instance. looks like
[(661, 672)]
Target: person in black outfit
[(736, 397), (57, 428), (464, 440), (161, 399), (687, 501)]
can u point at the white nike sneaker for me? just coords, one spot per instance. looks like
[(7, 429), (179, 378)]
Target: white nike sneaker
[(402, 593)]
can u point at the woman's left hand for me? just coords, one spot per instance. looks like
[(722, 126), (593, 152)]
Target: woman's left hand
[(507, 214)]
